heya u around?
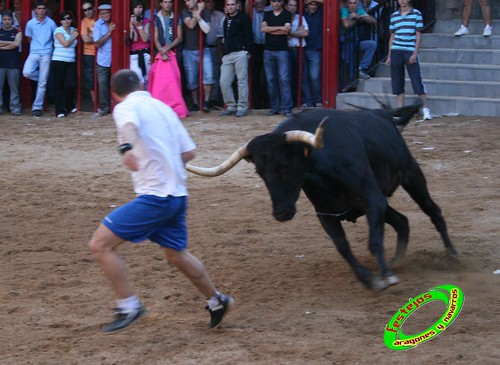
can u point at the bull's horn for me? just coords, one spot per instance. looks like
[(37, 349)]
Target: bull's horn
[(224, 167), (315, 140)]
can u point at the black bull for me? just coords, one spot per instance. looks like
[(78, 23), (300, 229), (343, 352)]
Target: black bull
[(362, 162)]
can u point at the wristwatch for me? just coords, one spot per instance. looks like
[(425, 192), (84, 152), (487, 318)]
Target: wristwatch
[(124, 148)]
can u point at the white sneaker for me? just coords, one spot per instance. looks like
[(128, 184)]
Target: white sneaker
[(487, 31), (463, 30), (427, 113)]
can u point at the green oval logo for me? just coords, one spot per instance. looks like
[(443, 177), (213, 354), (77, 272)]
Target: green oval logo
[(396, 339)]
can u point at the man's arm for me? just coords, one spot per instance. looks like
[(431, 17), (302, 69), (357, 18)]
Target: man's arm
[(130, 135), (99, 42), (5, 45), (85, 35), (280, 30), (188, 156)]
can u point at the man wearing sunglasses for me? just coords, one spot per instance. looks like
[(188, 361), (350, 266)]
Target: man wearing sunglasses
[(39, 31), (87, 31)]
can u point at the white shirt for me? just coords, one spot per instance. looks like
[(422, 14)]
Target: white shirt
[(295, 41), (163, 139)]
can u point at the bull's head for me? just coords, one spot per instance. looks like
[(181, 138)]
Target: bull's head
[(279, 160)]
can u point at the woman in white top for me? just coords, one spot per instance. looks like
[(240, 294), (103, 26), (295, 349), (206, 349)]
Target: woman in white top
[(63, 66)]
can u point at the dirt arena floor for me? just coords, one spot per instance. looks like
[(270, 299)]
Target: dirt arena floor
[(297, 301)]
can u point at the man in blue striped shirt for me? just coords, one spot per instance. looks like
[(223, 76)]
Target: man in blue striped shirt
[(406, 26)]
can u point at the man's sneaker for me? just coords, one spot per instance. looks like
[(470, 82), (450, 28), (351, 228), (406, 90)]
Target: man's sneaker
[(123, 320), (218, 313), (16, 112), (61, 115), (305, 106), (319, 105), (287, 113), (227, 112), (272, 112), (427, 113), (241, 113), (487, 31), (74, 110), (194, 108), (36, 113), (206, 107), (463, 30), (363, 75)]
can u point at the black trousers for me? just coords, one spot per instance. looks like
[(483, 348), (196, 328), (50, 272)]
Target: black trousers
[(64, 74)]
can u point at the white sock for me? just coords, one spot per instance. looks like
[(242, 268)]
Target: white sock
[(129, 304), (214, 301)]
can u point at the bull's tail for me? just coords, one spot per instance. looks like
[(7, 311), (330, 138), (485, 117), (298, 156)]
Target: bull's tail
[(401, 116)]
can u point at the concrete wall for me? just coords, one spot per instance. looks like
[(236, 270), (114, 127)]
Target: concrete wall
[(452, 9)]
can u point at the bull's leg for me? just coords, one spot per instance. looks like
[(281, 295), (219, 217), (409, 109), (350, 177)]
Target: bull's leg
[(400, 224), (334, 229), (376, 207), (416, 186)]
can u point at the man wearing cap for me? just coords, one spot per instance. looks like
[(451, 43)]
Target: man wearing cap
[(103, 29)]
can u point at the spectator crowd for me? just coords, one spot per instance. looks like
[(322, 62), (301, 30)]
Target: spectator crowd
[(278, 44)]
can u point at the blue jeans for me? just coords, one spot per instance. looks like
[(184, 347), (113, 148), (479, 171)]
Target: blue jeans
[(368, 48), (103, 80), (37, 68), (312, 72), (277, 70), (191, 60)]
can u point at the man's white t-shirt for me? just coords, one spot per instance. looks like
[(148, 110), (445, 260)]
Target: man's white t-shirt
[(163, 139)]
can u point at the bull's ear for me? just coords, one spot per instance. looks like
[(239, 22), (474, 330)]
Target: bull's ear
[(307, 151)]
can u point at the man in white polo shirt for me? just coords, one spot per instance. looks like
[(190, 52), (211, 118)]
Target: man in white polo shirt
[(155, 147)]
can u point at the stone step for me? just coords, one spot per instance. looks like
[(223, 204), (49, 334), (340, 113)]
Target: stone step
[(452, 71), (475, 26), (460, 56), (434, 40), (439, 105), (450, 88)]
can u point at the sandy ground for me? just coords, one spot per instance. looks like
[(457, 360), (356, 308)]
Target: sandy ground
[(297, 301)]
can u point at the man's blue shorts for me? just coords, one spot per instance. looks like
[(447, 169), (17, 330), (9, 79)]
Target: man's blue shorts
[(161, 220)]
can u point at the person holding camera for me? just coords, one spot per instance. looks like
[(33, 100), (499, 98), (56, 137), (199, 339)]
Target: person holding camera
[(140, 59)]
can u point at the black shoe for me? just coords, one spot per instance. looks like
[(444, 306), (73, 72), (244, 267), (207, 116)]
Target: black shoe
[(123, 320), (217, 314), (37, 113), (272, 112), (194, 108), (206, 107)]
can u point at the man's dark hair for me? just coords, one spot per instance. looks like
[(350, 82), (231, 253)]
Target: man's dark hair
[(7, 13), (40, 3), (124, 82)]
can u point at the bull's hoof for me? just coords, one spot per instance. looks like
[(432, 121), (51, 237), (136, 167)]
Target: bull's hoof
[(392, 280), (451, 250), (396, 260)]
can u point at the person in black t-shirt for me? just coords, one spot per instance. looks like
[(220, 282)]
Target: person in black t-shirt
[(277, 25)]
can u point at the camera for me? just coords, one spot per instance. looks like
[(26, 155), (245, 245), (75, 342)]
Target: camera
[(139, 18)]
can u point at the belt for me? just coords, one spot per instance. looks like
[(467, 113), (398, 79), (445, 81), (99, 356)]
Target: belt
[(140, 51)]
